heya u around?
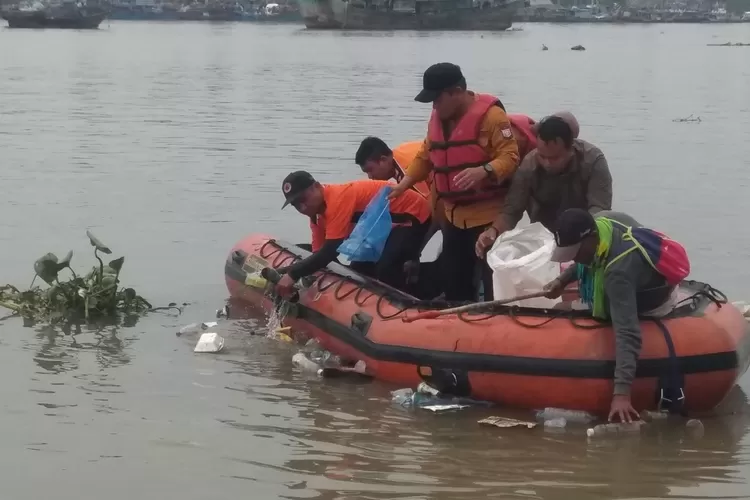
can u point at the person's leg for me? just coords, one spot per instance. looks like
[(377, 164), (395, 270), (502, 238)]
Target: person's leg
[(484, 269), (403, 245), (457, 264), (365, 268)]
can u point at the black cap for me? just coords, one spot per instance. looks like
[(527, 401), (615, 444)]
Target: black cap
[(438, 78), (295, 184), (572, 227)]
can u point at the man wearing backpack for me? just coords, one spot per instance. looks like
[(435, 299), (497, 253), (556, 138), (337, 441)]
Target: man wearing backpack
[(624, 271), (562, 172)]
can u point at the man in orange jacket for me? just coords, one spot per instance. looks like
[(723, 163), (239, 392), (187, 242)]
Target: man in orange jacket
[(381, 163), (334, 209), (472, 155)]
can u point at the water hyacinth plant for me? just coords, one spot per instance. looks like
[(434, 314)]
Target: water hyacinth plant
[(96, 295)]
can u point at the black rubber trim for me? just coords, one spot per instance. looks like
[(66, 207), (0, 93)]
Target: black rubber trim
[(516, 365)]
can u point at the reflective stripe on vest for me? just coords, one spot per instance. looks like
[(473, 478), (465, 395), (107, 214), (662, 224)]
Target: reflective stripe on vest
[(461, 151), (524, 126)]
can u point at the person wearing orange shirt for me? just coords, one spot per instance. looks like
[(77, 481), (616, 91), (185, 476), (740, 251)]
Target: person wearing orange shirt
[(334, 210), (471, 153), (381, 163)]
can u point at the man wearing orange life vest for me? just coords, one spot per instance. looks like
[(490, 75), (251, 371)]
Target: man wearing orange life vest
[(472, 154)]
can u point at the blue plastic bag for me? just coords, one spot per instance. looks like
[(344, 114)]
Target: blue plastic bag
[(367, 241)]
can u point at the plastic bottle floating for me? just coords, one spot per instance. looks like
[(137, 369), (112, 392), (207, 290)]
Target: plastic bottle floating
[(615, 428), (574, 416)]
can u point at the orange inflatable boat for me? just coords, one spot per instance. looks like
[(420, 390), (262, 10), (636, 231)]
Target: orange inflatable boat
[(521, 357)]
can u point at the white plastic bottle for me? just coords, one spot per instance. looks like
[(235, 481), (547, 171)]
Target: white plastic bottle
[(555, 423), (577, 416), (615, 428), (305, 364)]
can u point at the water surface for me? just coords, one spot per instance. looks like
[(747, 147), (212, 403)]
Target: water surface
[(169, 141)]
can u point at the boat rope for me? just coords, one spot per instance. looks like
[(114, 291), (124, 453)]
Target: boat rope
[(279, 256)]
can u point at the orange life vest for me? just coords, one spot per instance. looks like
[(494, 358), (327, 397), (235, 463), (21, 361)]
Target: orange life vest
[(523, 130), (460, 151)]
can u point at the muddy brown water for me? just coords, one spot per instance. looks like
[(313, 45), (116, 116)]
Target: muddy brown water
[(169, 142)]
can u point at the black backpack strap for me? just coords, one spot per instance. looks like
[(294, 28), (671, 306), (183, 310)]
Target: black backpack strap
[(670, 394)]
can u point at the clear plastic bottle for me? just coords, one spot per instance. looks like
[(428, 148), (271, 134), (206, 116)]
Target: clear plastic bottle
[(615, 428), (651, 416), (196, 327), (424, 388), (403, 397), (305, 364), (695, 427), (555, 423), (576, 416)]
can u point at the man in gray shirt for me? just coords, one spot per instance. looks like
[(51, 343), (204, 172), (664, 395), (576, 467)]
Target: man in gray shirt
[(629, 286), (562, 172)]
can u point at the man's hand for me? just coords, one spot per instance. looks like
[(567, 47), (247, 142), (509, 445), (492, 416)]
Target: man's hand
[(621, 407), (485, 241), (397, 190), (554, 289), (285, 286), (470, 178)]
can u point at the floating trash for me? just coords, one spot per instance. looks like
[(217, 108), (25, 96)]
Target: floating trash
[(575, 416), (651, 416), (695, 427), (425, 388), (437, 408), (196, 327), (305, 364), (744, 308), (504, 422), (429, 398), (615, 428), (282, 333), (403, 397), (555, 423), (209, 342), (223, 312)]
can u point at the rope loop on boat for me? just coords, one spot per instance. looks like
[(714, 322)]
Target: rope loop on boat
[(279, 256)]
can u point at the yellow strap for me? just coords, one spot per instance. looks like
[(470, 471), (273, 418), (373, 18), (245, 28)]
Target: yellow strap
[(628, 236)]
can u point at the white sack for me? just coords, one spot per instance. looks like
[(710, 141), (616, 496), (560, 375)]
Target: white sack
[(520, 261)]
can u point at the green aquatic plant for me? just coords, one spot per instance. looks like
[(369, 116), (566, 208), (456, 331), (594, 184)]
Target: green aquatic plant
[(95, 295)]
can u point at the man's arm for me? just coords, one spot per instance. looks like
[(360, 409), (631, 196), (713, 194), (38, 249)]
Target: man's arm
[(315, 262), (621, 295), (419, 169), (569, 275), (599, 189), (501, 144), (517, 198)]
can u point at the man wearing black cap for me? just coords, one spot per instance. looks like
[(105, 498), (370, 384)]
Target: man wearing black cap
[(617, 280), (472, 154), (334, 209)]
